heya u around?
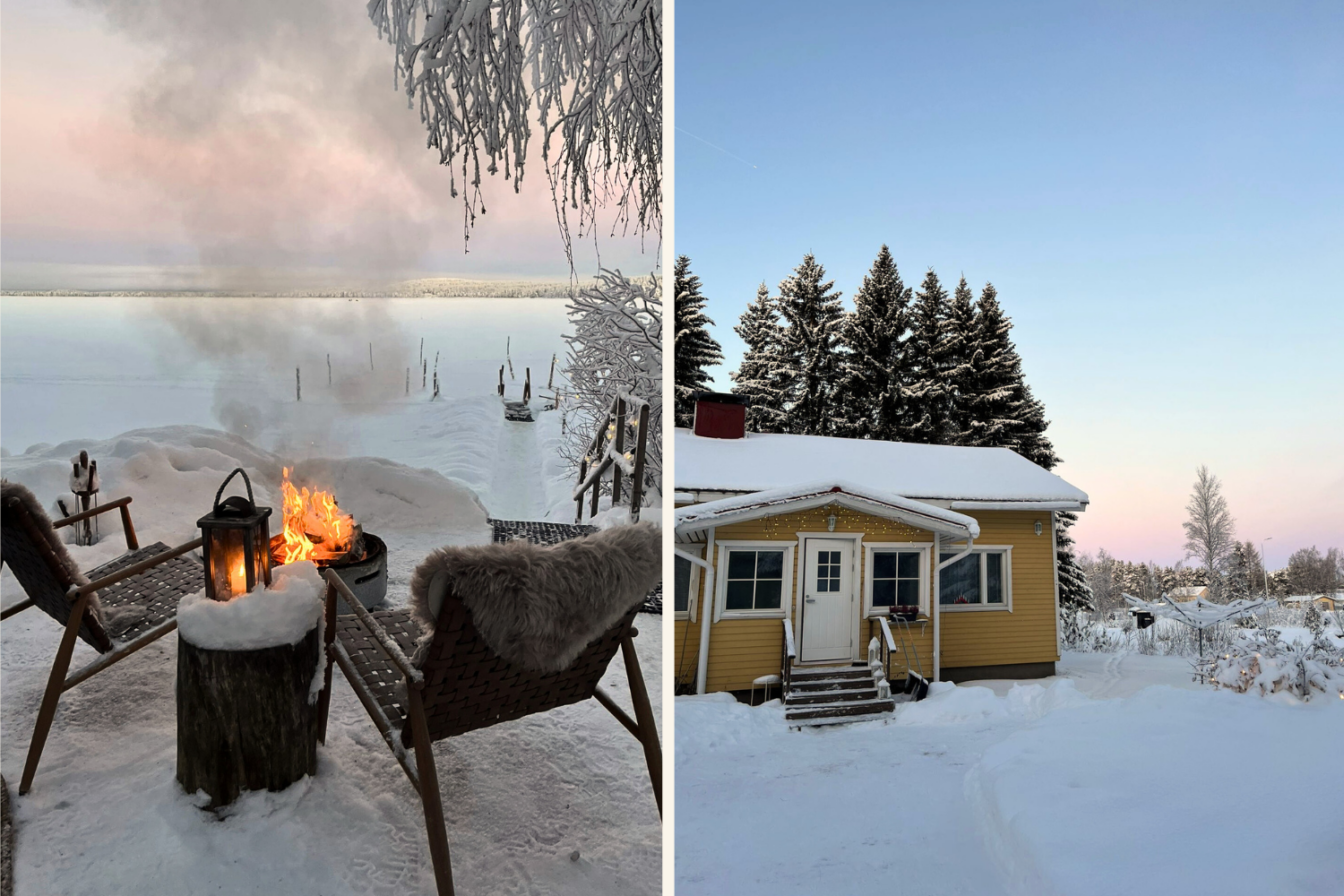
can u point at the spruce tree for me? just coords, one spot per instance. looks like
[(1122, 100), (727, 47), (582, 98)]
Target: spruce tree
[(760, 378), (695, 350), (962, 357), (927, 387), (1074, 592), (870, 391), (811, 348)]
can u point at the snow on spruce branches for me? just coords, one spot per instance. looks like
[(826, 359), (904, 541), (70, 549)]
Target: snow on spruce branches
[(694, 349), (592, 68), (905, 365), (616, 349)]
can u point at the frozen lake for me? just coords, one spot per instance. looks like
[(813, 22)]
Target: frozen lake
[(95, 367)]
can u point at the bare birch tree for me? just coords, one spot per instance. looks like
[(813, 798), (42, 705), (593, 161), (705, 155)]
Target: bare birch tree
[(1210, 530)]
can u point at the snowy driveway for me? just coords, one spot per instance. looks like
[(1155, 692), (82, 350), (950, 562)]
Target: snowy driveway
[(1043, 789)]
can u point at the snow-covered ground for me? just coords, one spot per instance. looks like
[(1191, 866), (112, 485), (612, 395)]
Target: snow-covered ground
[(1120, 775), (106, 814)]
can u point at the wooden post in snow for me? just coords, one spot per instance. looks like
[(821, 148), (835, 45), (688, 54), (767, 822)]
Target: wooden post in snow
[(501, 381), (370, 356), (408, 381), (328, 368), (550, 378), (527, 385), (637, 478), (298, 386)]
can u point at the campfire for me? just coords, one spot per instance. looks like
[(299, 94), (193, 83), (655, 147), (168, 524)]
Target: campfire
[(317, 529)]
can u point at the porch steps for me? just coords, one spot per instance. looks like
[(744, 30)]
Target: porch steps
[(834, 695)]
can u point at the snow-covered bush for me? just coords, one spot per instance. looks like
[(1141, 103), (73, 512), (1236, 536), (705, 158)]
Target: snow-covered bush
[(616, 349), (1264, 662), (1313, 620)]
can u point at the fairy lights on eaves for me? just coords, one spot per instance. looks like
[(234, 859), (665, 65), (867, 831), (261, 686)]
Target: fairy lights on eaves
[(786, 526)]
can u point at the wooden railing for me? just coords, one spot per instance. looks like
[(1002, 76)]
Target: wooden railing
[(880, 628), (787, 655), (607, 452)]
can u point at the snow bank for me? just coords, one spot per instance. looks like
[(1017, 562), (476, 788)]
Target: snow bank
[(950, 704), (266, 617), (718, 721), (1173, 786)]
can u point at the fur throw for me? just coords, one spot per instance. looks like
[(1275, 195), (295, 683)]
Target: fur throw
[(539, 606), (13, 491)]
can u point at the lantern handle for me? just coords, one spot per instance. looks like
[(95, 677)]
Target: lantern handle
[(246, 481)]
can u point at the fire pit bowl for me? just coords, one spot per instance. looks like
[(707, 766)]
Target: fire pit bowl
[(367, 578)]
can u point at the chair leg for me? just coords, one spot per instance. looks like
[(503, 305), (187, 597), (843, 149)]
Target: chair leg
[(55, 686), (429, 793), (653, 750)]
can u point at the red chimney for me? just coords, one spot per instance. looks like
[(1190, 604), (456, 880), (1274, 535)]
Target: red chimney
[(720, 415)]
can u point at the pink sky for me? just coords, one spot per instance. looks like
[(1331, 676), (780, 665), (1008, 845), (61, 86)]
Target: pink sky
[(241, 136)]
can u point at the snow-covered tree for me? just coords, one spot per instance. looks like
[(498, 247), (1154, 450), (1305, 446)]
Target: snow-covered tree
[(963, 356), (761, 375), (1209, 529), (1075, 593), (812, 351), (694, 348), (926, 381), (584, 77), (617, 347), (871, 391)]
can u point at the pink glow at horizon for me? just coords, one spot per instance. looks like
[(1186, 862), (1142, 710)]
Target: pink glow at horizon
[(244, 151)]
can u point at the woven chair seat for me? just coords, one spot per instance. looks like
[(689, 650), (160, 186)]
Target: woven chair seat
[(376, 671), (150, 598)]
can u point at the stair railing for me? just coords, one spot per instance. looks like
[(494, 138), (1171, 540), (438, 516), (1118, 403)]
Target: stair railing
[(607, 452), (787, 655)]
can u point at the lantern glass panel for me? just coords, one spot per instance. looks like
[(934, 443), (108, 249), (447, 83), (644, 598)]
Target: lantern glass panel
[(228, 564), (261, 553)]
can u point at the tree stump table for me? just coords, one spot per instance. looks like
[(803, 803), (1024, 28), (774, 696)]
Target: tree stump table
[(247, 715)]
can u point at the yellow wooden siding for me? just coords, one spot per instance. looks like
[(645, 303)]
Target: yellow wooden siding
[(744, 649)]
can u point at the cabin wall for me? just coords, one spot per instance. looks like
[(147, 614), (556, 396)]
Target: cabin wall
[(744, 649)]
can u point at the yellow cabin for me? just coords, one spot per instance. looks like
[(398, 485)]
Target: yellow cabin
[(796, 553)]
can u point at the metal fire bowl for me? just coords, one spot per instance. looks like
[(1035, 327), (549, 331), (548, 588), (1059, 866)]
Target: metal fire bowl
[(367, 578)]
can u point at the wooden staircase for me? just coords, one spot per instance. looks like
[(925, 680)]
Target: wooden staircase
[(834, 695)]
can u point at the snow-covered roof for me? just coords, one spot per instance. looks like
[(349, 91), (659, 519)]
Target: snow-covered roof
[(937, 472), (819, 494)]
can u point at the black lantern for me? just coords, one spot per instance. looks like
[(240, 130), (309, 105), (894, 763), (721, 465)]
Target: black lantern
[(236, 538)]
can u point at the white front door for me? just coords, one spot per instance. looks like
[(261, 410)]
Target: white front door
[(828, 599)]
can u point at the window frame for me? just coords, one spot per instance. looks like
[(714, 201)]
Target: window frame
[(697, 577), (924, 548), (983, 607), (721, 610)]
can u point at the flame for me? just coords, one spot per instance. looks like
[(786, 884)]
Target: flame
[(315, 528), (238, 578)]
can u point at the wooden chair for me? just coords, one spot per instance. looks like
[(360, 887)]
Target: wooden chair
[(116, 609), (461, 685)]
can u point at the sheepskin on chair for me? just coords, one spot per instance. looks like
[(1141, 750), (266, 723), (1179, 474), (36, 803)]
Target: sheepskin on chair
[(539, 606)]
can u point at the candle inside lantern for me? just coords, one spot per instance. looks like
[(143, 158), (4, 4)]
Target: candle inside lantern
[(237, 577)]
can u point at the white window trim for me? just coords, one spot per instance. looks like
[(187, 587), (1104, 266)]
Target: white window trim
[(721, 580), (1007, 605), (925, 548), (697, 576)]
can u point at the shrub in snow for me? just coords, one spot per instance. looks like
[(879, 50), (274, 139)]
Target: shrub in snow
[(1262, 661), (617, 349), (1313, 620)]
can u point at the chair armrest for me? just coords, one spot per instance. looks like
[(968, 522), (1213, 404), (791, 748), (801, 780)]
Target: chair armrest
[(386, 643), (134, 569), (121, 503)]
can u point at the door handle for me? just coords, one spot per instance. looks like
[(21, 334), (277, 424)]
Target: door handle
[(810, 600)]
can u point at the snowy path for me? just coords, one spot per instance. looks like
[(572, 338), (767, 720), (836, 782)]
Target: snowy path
[(516, 488), (1101, 780)]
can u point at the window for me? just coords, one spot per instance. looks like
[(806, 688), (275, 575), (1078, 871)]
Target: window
[(828, 570), (896, 578), (755, 580), (978, 580), (685, 580)]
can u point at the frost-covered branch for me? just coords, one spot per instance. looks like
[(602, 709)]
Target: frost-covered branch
[(594, 69)]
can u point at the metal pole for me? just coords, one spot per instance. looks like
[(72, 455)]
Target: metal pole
[(1264, 564)]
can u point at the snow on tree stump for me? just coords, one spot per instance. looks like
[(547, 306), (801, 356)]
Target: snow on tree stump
[(249, 672)]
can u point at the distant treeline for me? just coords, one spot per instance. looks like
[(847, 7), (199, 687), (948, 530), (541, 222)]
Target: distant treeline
[(437, 288)]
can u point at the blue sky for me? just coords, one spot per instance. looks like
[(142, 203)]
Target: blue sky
[(1156, 190)]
